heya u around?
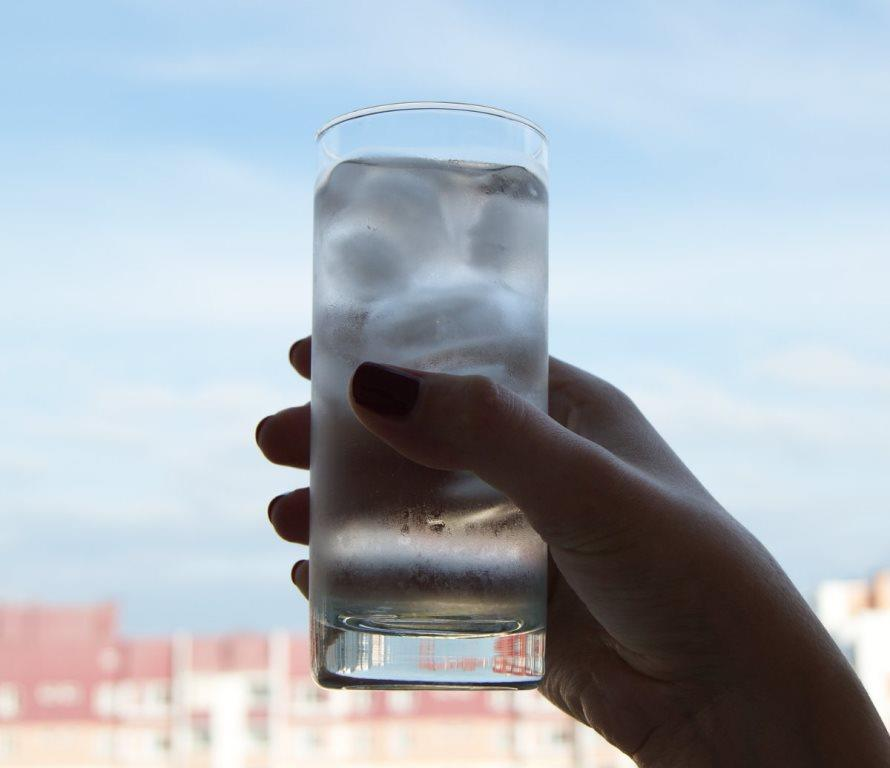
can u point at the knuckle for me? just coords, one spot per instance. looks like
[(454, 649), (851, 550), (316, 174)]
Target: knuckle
[(616, 398), (482, 392), (612, 404), (487, 404)]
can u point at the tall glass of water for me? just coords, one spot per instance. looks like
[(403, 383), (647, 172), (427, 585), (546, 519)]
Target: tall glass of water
[(431, 254)]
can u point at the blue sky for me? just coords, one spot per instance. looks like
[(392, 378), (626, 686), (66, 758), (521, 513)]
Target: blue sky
[(720, 187)]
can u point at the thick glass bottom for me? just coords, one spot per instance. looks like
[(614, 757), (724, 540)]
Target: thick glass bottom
[(384, 651)]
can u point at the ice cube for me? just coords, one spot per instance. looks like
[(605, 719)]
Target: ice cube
[(405, 202), (515, 182), (362, 264), (448, 327), (510, 230), (400, 199), (380, 224)]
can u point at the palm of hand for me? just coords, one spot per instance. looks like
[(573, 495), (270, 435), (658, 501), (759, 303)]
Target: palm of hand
[(640, 641), (587, 674), (644, 612)]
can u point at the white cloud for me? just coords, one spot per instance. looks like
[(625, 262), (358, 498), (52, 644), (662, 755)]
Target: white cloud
[(725, 272), (665, 67), (186, 292), (216, 568), (783, 465), (140, 508), (693, 406), (822, 367), (768, 453), (240, 65), (128, 455), (172, 238), (126, 414)]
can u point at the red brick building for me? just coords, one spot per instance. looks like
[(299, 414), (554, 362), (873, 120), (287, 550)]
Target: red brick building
[(74, 692)]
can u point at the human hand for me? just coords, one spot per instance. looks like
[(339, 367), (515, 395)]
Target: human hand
[(671, 630)]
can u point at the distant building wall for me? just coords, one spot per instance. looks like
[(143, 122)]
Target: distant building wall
[(857, 613), (73, 692)]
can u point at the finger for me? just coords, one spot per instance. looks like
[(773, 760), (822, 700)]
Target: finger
[(300, 356), (289, 515), (470, 423), (570, 387), (284, 437), (299, 575)]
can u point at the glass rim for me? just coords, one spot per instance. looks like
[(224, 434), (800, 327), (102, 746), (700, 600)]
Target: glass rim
[(450, 106)]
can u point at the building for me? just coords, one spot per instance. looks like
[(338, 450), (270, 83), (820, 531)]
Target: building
[(74, 692), (857, 613)]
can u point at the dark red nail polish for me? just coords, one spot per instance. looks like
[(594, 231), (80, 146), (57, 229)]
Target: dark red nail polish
[(259, 428), (385, 390), (294, 571), (272, 504), (292, 354)]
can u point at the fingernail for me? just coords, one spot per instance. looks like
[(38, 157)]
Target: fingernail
[(297, 571), (294, 348), (385, 390), (272, 504), (259, 428)]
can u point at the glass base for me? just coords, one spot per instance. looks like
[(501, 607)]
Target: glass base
[(390, 652)]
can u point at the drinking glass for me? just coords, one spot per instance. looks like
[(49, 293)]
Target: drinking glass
[(430, 253)]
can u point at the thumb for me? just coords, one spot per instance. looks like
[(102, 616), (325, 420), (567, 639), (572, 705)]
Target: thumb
[(470, 423)]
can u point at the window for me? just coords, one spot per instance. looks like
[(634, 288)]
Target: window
[(201, 692), (526, 702), (160, 744), (314, 694), (259, 693), (127, 744), (9, 701), (378, 650), (400, 701), (344, 741), (500, 701), (58, 694), (259, 733), (308, 697), (361, 702), (157, 697), (363, 742), (452, 696), (105, 745), (200, 736), (531, 702), (400, 740), (126, 699), (501, 738), (527, 737), (339, 702), (307, 741), (62, 737), (8, 746), (103, 699)]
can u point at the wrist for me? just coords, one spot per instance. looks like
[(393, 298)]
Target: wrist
[(812, 714)]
